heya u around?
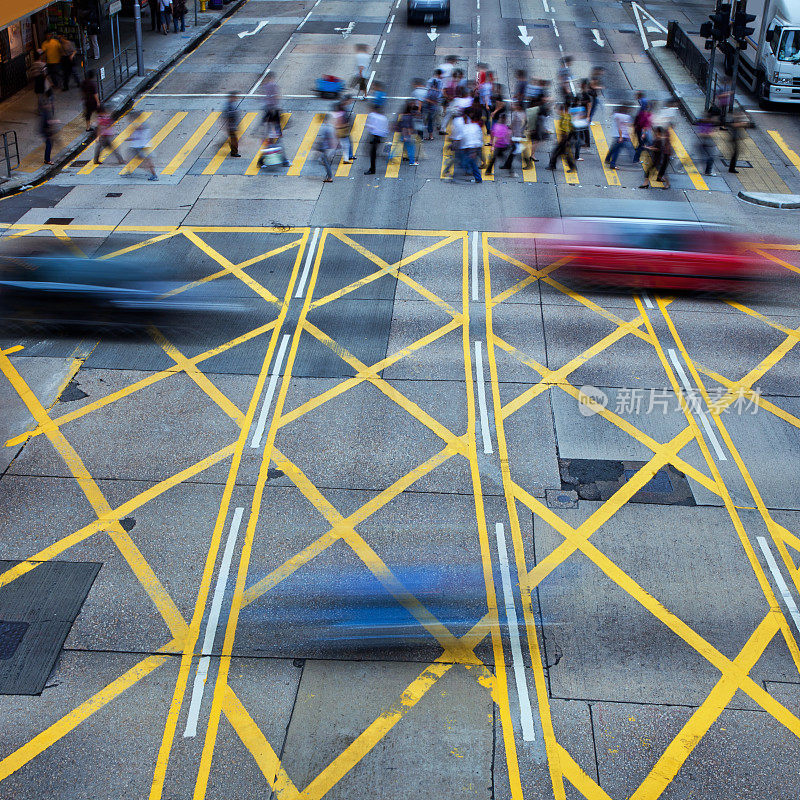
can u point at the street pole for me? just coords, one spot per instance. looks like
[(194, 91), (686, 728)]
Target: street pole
[(195, 13), (710, 75), (137, 23)]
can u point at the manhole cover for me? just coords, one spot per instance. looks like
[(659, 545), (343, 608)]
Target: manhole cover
[(114, 194), (58, 220), (740, 162), (11, 634), (79, 163)]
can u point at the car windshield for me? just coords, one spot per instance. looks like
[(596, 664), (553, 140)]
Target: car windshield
[(790, 46)]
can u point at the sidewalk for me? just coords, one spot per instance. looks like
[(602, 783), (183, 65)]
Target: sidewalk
[(19, 113)]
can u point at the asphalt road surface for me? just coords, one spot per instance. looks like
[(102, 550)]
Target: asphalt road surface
[(386, 435)]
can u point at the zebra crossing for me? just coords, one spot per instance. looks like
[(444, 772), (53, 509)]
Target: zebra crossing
[(186, 142)]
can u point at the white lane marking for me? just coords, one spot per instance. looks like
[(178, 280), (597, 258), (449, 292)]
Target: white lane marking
[(389, 29), (700, 413), (555, 27), (635, 8), (398, 4), (301, 287), (479, 24), (273, 382), (485, 435), (649, 16), (776, 573), (523, 35), (211, 627), (391, 20), (560, 47), (380, 52), (268, 68), (525, 713), (475, 266), (255, 30), (479, 5), (545, 6), (305, 19), (479, 50), (598, 39), (369, 82), (647, 301)]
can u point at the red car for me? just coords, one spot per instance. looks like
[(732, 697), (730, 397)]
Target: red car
[(657, 254)]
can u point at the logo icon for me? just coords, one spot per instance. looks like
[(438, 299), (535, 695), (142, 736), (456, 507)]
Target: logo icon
[(591, 400)]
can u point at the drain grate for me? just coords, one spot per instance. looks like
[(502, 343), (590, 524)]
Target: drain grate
[(741, 162), (599, 479), (58, 220), (114, 194), (11, 634), (79, 163)]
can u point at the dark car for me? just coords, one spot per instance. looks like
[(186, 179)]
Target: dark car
[(428, 11)]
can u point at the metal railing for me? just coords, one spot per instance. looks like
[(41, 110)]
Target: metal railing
[(8, 143), (117, 72), (688, 53)]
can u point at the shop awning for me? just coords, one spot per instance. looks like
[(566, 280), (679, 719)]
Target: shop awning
[(19, 9)]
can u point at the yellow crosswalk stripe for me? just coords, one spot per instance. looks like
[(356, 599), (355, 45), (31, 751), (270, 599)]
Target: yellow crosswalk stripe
[(694, 176), (602, 150), (225, 149), (446, 150), (570, 175), (252, 167), (356, 133), (487, 154), (190, 144), (787, 151), (395, 157), (89, 168), (155, 141), (306, 145), (529, 172)]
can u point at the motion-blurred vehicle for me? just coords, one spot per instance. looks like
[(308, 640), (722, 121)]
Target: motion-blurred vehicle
[(657, 254), (428, 11), (329, 86), (112, 295)]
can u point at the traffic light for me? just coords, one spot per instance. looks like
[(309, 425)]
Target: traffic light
[(721, 22), (741, 20), (707, 32)]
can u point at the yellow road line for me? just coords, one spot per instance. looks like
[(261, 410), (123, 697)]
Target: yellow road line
[(528, 173), (612, 176), (190, 144), (305, 146), (252, 168), (395, 157), (225, 148), (787, 151), (356, 133), (155, 141), (116, 143), (487, 153), (683, 156)]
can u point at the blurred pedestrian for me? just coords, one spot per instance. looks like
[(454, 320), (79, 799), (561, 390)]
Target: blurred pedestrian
[(155, 15), (460, 103), (455, 156), (139, 144), (566, 135), (433, 101), (272, 101), (660, 151), (377, 126), (179, 15), (580, 125), (53, 51), (622, 137), (91, 98), (736, 128), (595, 91), (47, 130), (485, 92), (408, 133), (472, 141), (165, 9), (705, 133), (501, 141), (231, 115), (521, 87), (105, 136), (359, 81), (343, 124), (517, 124), (42, 85), (565, 77), (326, 145), (642, 130), (93, 31), (68, 53)]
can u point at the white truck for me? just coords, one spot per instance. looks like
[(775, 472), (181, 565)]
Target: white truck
[(770, 64)]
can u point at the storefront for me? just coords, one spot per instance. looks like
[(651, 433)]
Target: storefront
[(22, 30)]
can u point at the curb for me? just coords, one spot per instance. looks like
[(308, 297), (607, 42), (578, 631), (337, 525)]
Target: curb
[(671, 86), (771, 200), (22, 184)]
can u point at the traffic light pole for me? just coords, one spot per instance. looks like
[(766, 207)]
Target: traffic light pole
[(711, 75)]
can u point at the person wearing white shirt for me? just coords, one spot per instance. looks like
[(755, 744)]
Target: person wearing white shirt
[(377, 127), (473, 144), (139, 143), (362, 67), (456, 155)]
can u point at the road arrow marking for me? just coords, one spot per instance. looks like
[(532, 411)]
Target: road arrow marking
[(432, 35), (346, 31), (597, 38), (523, 35), (255, 30)]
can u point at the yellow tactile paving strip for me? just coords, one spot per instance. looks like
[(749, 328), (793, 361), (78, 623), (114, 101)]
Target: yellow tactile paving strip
[(181, 635), (761, 176)]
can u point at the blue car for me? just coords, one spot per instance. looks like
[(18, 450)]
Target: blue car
[(428, 11)]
